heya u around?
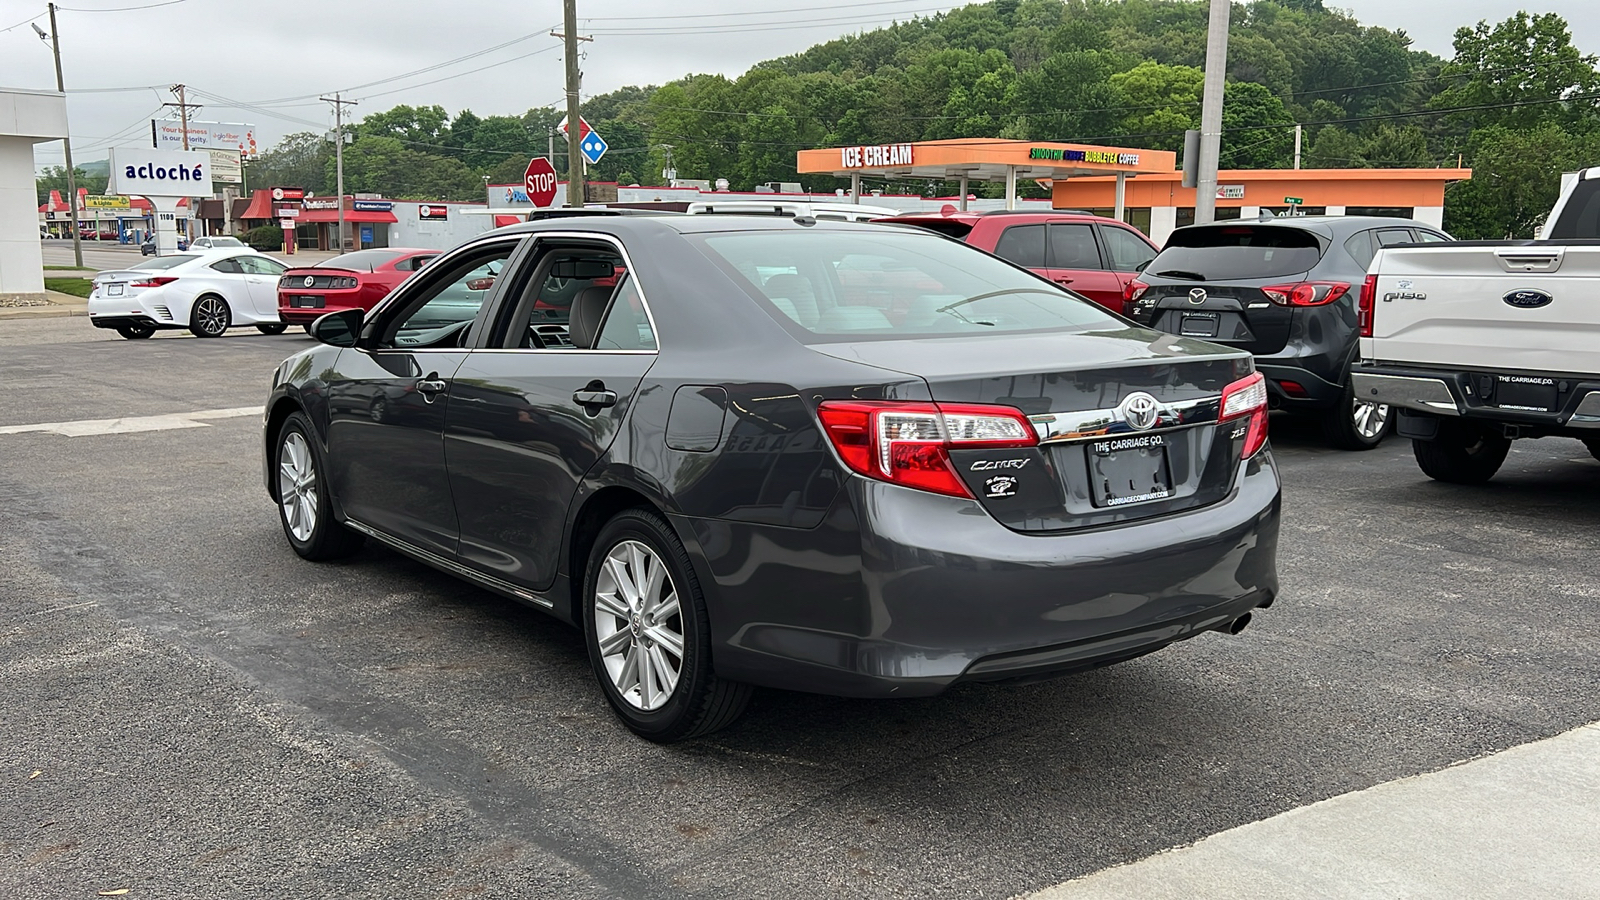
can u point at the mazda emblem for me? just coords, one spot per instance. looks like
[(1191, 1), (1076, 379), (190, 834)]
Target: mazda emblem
[(1140, 411), (311, 280), (1528, 298), (1197, 296)]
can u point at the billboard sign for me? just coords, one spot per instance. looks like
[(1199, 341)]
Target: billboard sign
[(107, 203), (168, 135), (427, 212), (372, 205), (226, 167)]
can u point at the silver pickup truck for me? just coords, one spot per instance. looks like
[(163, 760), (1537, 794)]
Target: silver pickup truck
[(1478, 343)]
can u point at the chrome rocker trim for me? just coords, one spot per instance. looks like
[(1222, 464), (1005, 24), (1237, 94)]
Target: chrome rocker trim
[(438, 562), (1429, 395)]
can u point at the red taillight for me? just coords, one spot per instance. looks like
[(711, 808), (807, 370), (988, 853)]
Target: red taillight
[(1306, 293), (1366, 302), (157, 281), (1247, 399), (1134, 290), (909, 443)]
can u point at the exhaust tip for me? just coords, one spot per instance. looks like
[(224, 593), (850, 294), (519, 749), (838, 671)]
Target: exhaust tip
[(1239, 624)]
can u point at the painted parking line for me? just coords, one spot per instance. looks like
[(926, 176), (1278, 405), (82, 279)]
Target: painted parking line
[(132, 424), (1524, 822)]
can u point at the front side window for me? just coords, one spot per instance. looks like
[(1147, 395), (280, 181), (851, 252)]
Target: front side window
[(835, 285), (562, 305), (443, 306), (1023, 245)]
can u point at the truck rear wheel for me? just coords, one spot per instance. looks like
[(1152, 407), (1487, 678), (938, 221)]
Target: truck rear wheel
[(1463, 453)]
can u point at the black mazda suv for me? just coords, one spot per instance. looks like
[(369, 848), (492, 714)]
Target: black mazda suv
[(1284, 289)]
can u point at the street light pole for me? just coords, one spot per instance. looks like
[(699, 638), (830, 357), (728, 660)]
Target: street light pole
[(66, 145), (1205, 197)]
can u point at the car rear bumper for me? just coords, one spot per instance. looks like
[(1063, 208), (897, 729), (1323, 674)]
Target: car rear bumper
[(1461, 394), (301, 315), (936, 591)]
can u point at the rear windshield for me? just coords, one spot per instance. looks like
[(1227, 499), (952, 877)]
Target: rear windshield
[(225, 242), (1580, 218), (1236, 251), (946, 227), (165, 262), (831, 285), (362, 260)]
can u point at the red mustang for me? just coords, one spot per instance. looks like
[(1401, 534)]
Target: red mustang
[(358, 279)]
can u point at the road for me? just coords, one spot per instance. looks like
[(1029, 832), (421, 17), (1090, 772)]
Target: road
[(192, 711)]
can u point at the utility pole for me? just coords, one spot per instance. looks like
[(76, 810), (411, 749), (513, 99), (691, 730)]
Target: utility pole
[(338, 155), (184, 106), (1205, 197), (574, 119), (1297, 146), (66, 144)]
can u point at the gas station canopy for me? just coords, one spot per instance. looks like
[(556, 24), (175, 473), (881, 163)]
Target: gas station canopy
[(982, 159)]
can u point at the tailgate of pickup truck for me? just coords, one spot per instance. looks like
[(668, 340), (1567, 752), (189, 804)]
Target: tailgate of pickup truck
[(1531, 306)]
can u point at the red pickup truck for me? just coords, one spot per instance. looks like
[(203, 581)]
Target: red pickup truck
[(1092, 255)]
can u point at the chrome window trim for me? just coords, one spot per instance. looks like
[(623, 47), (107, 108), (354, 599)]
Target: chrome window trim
[(631, 273), (1094, 424)]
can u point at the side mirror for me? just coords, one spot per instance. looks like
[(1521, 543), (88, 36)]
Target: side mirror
[(338, 329)]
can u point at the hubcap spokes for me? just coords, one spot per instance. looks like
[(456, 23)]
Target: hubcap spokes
[(297, 486), (638, 625), (210, 312), (1370, 418)]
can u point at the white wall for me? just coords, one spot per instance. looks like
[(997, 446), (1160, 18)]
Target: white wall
[(1163, 221), (26, 117), (1429, 215), (411, 231)]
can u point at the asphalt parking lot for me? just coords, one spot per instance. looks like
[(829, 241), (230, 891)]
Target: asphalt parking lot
[(192, 711)]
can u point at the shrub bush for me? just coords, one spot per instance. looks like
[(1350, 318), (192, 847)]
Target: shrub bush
[(266, 238)]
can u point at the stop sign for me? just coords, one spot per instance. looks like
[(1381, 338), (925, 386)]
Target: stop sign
[(540, 180)]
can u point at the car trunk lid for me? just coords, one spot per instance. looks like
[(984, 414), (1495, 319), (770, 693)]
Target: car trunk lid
[(1096, 464)]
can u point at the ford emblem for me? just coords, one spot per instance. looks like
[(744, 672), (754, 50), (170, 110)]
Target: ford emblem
[(1528, 298), (1197, 296), (311, 280), (1140, 411)]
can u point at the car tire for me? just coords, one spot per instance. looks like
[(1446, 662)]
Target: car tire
[(272, 329), (1462, 453), (628, 628), (306, 327), (1356, 425), (135, 332), (304, 508), (210, 316)]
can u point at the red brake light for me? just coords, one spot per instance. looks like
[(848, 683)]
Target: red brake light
[(157, 281), (1366, 302), (909, 443), (1306, 293), (1247, 399), (1134, 290)]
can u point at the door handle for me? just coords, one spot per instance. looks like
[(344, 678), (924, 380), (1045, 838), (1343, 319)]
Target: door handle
[(430, 385), (595, 399), (1063, 280)]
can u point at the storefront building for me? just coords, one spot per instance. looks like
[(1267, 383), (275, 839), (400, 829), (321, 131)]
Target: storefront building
[(1158, 203), (124, 219)]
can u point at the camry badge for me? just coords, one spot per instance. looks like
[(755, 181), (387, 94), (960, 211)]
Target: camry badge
[(311, 280), (1140, 411), (1528, 298), (1197, 296)]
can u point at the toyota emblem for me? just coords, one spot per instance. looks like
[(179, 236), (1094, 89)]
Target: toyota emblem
[(1197, 296), (1140, 411), (311, 280)]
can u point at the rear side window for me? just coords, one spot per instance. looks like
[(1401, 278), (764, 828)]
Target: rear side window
[(1359, 246), (1388, 237), (1127, 251), (1073, 247), (1580, 218), (1236, 251), (1023, 245)]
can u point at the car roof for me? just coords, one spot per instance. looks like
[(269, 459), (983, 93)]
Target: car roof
[(972, 216), (1327, 226), (645, 225)]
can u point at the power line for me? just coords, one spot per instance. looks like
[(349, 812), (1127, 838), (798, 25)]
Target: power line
[(412, 87), (775, 25), (762, 12), (120, 8)]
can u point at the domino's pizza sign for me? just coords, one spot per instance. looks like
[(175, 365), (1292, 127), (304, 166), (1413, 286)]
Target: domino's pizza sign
[(433, 213), (159, 173)]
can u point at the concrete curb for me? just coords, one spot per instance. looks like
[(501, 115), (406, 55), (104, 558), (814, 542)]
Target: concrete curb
[(60, 305)]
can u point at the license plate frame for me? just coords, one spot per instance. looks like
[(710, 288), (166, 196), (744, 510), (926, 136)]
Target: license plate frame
[(1531, 394), (1199, 324), (114, 289), (1126, 471), (306, 301)]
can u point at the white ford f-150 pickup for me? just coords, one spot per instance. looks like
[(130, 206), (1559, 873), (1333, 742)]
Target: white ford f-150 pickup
[(1478, 343)]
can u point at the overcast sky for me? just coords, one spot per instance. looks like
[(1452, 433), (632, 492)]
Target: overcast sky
[(281, 54)]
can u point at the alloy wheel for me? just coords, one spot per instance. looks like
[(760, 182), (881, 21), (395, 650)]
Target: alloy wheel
[(1369, 419), (211, 314), (297, 486), (638, 625)]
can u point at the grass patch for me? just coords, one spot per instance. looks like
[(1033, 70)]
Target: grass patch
[(77, 287), (67, 269)]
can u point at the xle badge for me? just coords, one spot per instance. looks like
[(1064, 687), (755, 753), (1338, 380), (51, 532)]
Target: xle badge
[(1001, 486)]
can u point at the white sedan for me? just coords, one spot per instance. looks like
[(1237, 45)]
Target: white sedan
[(207, 292)]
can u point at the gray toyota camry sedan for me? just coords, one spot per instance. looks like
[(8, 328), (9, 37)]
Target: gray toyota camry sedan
[(736, 451)]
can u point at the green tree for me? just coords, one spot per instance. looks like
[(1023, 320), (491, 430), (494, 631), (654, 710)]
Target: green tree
[(54, 178), (418, 126), (1525, 60), (1516, 176), (1257, 132), (1162, 102), (299, 160)]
